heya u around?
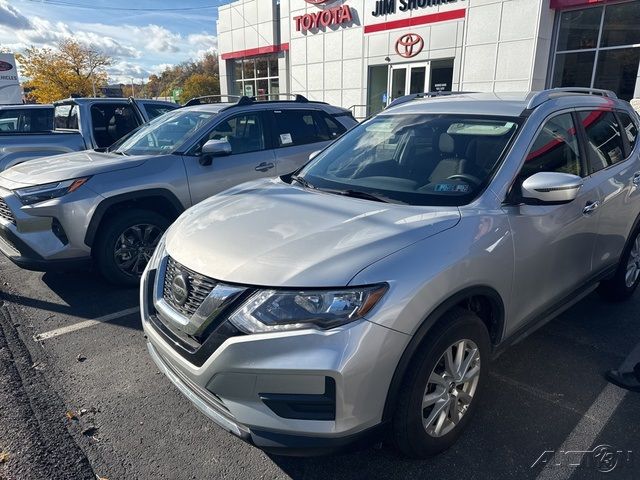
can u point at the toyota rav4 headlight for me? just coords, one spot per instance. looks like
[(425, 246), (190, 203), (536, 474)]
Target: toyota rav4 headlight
[(48, 191), (278, 310)]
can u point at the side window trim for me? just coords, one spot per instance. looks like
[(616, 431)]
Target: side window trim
[(583, 141)]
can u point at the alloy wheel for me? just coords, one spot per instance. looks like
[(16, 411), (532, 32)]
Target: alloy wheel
[(450, 388), (135, 246), (633, 264)]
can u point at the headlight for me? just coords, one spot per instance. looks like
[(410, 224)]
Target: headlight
[(273, 311), (41, 193)]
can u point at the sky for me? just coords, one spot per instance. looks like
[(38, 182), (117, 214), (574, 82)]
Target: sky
[(142, 36)]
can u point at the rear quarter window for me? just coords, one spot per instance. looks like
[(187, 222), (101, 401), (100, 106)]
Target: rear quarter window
[(630, 129)]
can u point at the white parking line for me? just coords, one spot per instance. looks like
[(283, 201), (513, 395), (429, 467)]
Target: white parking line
[(589, 427), (87, 323)]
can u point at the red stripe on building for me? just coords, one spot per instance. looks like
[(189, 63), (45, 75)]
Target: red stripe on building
[(560, 4), (252, 52), (414, 21)]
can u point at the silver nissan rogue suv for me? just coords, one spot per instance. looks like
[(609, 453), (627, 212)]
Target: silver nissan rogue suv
[(367, 293)]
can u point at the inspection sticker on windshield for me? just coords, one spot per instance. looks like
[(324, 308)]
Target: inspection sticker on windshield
[(285, 139), (452, 188)]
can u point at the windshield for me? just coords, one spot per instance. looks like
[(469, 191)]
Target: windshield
[(414, 159), (164, 133)]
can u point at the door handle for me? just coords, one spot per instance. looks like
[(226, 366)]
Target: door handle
[(264, 166), (590, 207), (636, 179)]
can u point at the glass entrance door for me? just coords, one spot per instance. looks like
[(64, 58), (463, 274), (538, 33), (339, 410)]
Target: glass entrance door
[(407, 79)]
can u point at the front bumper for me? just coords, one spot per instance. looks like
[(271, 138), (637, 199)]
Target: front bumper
[(236, 384), (28, 234)]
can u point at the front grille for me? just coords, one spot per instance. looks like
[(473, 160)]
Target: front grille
[(5, 212), (198, 287)]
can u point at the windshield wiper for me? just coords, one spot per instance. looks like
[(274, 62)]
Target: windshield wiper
[(302, 181), (359, 194)]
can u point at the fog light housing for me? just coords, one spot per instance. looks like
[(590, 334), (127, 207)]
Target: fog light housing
[(59, 232)]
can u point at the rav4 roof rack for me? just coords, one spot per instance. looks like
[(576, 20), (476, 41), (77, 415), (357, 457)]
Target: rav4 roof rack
[(201, 100), (414, 96), (545, 95), (245, 100)]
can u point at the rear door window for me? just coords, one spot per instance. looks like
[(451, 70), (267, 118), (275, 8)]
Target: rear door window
[(66, 117), (630, 129), (605, 145), (299, 127), (111, 122)]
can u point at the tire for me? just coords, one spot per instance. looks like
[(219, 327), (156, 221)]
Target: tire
[(123, 228), (410, 435), (617, 288)]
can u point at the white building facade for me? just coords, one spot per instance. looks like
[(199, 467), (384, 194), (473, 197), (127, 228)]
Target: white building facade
[(361, 54)]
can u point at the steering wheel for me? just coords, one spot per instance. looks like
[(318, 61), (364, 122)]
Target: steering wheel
[(465, 177)]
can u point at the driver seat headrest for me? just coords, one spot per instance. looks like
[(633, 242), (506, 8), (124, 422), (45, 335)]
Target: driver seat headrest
[(446, 144)]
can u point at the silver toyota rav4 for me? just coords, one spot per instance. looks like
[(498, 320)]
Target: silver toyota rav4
[(368, 292), (111, 207)]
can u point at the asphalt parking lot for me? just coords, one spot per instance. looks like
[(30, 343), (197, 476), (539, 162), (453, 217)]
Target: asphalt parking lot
[(89, 402)]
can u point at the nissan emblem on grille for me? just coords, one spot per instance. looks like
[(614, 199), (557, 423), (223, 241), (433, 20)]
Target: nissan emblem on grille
[(180, 288)]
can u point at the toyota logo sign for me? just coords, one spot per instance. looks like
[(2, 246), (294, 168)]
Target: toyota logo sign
[(409, 45), (5, 66)]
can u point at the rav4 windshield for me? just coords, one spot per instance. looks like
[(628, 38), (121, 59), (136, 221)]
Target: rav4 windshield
[(164, 133), (415, 159)]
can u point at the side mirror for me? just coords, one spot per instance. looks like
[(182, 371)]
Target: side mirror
[(313, 155), (214, 148), (550, 188)]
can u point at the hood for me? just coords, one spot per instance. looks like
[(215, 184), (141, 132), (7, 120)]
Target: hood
[(270, 233), (69, 165)]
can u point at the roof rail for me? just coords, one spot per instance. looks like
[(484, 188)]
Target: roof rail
[(414, 96), (296, 97), (201, 100), (545, 95)]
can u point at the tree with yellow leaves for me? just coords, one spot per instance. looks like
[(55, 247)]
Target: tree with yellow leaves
[(198, 85), (71, 69)]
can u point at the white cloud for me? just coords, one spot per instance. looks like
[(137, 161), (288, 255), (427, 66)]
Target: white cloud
[(153, 46), (11, 16)]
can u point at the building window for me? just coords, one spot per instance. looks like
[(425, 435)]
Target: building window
[(599, 47), (256, 76)]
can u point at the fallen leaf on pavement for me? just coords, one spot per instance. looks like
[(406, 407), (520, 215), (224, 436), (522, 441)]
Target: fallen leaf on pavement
[(4, 457)]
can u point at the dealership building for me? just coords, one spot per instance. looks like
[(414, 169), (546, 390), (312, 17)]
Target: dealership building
[(361, 54)]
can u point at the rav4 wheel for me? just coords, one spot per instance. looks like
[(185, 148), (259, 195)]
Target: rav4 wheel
[(440, 391), (627, 277), (125, 245)]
